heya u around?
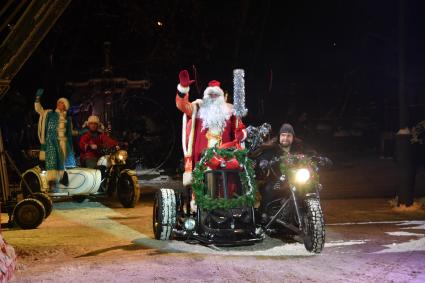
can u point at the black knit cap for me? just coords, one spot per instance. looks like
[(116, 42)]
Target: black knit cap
[(287, 128)]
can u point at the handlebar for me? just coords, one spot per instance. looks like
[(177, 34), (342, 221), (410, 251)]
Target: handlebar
[(321, 161), (110, 150), (105, 151)]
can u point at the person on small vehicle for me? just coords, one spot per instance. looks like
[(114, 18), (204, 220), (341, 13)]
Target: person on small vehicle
[(92, 141), (210, 122), (267, 169), (285, 142), (55, 133)]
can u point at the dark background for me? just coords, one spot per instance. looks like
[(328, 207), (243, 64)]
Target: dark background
[(337, 61)]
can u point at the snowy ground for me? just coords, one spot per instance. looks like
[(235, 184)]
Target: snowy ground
[(93, 242)]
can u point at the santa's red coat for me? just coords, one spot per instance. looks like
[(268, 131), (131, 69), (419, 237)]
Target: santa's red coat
[(200, 142)]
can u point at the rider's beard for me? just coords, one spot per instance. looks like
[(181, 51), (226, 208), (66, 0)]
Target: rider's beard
[(214, 112)]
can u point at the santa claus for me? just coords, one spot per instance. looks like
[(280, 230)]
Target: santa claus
[(207, 122)]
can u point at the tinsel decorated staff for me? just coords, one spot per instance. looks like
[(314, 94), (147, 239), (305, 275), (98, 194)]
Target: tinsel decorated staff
[(239, 108), (238, 102), (239, 93)]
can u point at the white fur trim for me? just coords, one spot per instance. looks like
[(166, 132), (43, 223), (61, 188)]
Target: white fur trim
[(65, 101), (183, 89), (42, 155), (42, 125), (245, 134), (193, 206), (93, 119), (213, 89), (187, 178), (197, 102)]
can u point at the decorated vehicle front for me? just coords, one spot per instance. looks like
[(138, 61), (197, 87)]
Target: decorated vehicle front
[(224, 193)]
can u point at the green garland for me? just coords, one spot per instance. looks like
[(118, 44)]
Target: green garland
[(247, 178), (291, 162)]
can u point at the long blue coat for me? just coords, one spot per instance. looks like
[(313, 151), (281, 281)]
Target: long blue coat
[(55, 159)]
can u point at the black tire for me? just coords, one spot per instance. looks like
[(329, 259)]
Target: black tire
[(33, 182), (111, 186), (46, 201), (29, 213), (128, 190), (314, 226), (164, 214)]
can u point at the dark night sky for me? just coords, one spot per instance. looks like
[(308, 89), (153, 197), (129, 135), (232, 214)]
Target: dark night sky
[(320, 52)]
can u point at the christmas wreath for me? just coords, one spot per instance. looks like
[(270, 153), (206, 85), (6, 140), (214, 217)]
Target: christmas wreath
[(291, 162), (229, 159)]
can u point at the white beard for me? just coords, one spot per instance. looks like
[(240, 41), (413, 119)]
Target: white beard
[(214, 113)]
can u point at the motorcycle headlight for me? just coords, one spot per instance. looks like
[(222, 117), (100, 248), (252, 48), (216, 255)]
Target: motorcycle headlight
[(122, 155), (302, 176), (189, 224)]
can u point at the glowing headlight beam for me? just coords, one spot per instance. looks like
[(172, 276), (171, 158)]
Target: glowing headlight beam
[(122, 155), (302, 175)]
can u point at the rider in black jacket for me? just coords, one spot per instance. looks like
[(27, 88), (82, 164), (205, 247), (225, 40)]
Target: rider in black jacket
[(267, 165)]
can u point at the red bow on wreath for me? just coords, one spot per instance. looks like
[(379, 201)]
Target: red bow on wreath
[(216, 163)]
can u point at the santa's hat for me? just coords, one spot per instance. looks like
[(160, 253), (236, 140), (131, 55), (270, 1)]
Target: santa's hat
[(64, 101), (213, 87)]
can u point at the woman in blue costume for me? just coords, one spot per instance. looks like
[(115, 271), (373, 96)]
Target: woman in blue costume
[(55, 135)]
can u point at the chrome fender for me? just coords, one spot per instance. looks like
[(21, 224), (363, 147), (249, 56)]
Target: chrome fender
[(41, 176)]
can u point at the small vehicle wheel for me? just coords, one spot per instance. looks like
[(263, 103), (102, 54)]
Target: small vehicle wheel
[(111, 187), (29, 213), (46, 201), (314, 226), (128, 190), (164, 214)]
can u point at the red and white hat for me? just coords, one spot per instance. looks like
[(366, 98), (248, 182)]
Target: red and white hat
[(213, 88)]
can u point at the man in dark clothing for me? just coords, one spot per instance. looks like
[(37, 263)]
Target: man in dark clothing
[(276, 147), (267, 165)]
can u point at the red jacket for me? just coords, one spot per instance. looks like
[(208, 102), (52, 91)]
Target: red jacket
[(99, 139), (200, 143)]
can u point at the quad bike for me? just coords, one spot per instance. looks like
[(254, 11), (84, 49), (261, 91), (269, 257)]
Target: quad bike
[(294, 210), (111, 176), (175, 215), (294, 206)]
